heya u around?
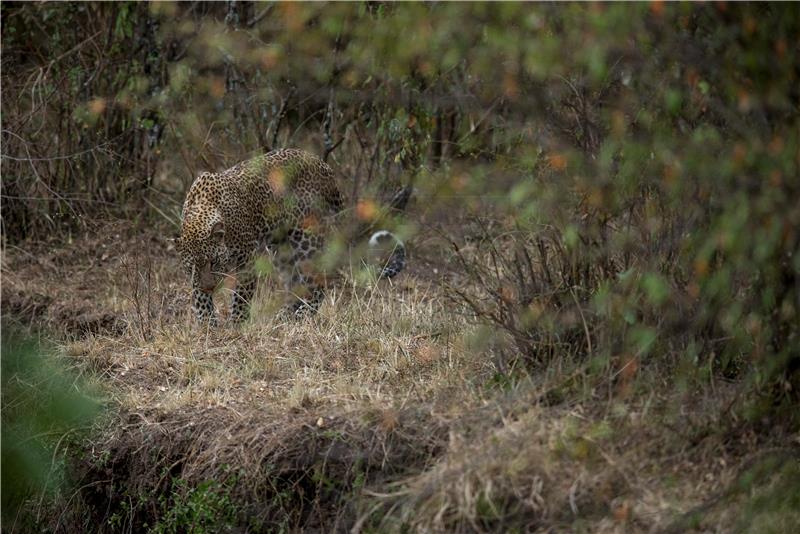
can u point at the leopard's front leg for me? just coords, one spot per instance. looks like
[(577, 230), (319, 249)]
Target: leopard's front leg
[(306, 287), (243, 294), (203, 305), (242, 261)]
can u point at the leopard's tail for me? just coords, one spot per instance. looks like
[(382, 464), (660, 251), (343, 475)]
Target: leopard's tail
[(396, 261)]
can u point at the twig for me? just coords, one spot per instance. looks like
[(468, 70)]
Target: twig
[(160, 212), (264, 12), (583, 319), (474, 127), (280, 116)]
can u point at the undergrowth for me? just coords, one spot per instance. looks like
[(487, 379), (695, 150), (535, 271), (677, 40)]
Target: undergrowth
[(598, 326), (392, 413)]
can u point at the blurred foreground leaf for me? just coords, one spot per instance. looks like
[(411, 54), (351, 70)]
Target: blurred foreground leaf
[(42, 404)]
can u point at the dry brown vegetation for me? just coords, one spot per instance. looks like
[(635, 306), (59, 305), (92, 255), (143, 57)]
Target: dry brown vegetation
[(384, 411), (597, 330)]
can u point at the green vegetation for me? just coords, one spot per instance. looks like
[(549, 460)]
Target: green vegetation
[(204, 508), (600, 326), (44, 406)]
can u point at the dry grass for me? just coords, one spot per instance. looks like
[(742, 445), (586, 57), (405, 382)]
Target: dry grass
[(385, 411)]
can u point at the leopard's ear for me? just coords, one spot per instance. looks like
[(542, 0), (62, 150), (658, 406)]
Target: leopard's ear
[(217, 232)]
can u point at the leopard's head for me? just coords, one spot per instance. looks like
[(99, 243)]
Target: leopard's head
[(201, 246)]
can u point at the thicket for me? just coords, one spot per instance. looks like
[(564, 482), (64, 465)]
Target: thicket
[(633, 168), (629, 171)]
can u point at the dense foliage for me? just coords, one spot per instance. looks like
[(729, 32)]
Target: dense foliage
[(631, 171)]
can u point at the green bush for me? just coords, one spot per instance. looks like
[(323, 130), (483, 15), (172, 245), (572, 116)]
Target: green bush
[(205, 507), (44, 409)]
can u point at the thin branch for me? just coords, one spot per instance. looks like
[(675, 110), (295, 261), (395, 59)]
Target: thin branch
[(264, 12)]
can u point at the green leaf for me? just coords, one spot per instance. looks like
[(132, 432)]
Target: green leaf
[(656, 288)]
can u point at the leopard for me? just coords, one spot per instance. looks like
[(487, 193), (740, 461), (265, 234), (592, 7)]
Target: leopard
[(284, 197)]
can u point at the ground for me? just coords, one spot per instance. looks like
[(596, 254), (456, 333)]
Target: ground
[(384, 411)]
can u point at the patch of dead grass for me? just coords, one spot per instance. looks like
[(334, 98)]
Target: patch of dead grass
[(379, 413)]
